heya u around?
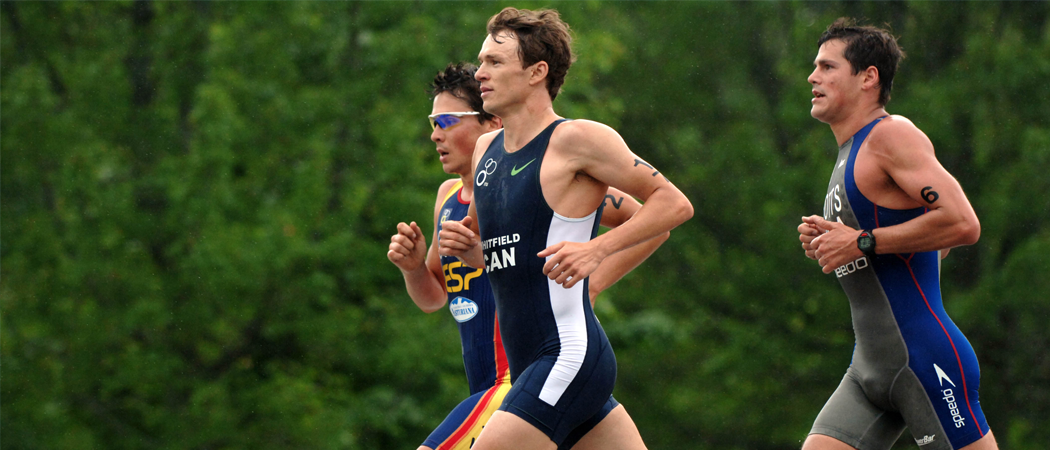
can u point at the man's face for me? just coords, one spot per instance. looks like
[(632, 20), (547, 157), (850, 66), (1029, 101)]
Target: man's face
[(455, 144), (503, 79), (835, 88)]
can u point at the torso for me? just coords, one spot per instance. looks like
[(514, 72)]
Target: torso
[(902, 330), (895, 299), (471, 303), (516, 223)]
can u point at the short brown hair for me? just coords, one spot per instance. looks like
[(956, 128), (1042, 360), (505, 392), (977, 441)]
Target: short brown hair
[(458, 81), (867, 46), (542, 36)]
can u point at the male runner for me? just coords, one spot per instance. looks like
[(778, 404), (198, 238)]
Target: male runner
[(539, 185), (889, 208), (458, 120)]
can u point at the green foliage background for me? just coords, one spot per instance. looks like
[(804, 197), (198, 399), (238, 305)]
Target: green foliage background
[(197, 200)]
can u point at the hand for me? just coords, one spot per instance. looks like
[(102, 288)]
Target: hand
[(408, 248), (570, 262), (806, 233), (836, 246), (456, 237)]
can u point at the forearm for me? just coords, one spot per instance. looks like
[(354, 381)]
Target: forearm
[(613, 268), (426, 291), (664, 210), (936, 230)]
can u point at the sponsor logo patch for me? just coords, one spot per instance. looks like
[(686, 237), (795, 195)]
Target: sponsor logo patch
[(483, 173), (463, 309), (514, 170), (925, 440)]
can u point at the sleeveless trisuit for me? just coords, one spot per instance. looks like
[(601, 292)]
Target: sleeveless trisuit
[(562, 367), (911, 367), (472, 305)]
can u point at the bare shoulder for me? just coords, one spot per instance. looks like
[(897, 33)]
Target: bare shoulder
[(486, 139), (583, 135), (581, 129), (896, 136), (443, 191), (483, 144), (445, 187)]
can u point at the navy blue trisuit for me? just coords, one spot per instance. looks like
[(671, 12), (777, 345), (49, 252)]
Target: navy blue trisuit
[(471, 303), (912, 367), (562, 367)]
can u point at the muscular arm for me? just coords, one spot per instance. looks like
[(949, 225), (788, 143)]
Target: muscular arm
[(903, 157), (599, 152), (906, 155), (619, 207), (421, 270)]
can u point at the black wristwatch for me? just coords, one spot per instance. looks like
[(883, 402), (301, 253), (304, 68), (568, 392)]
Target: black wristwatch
[(866, 243)]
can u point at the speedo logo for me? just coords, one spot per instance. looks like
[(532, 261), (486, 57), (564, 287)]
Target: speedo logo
[(949, 397), (927, 439), (851, 267)]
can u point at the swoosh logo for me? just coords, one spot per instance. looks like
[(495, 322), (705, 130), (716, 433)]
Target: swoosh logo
[(942, 377), (515, 169)]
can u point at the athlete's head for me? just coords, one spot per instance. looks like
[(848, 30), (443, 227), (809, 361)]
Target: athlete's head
[(542, 36), (867, 46), (457, 97), (457, 80)]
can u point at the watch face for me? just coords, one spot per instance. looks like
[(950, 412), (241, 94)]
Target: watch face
[(864, 242)]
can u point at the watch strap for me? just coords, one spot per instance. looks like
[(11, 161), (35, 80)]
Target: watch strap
[(866, 243)]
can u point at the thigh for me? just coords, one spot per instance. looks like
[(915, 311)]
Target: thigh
[(616, 431), (506, 431), (582, 429), (850, 417), (821, 442), (985, 443), (939, 415), (463, 425)]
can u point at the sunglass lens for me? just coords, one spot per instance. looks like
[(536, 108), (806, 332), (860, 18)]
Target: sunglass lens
[(444, 121)]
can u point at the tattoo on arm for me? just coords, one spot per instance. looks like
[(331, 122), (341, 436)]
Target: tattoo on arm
[(655, 172), (615, 203), (929, 194)]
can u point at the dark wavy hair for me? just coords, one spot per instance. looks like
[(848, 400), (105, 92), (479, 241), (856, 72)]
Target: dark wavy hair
[(867, 46), (458, 80), (542, 36)]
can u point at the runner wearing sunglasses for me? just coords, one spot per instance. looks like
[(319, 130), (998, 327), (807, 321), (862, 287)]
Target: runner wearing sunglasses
[(539, 187), (457, 121)]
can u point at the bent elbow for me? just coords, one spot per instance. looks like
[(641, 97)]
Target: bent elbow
[(432, 308), (685, 210), (971, 232)]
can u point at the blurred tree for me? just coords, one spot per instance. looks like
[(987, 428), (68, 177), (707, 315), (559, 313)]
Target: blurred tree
[(197, 200)]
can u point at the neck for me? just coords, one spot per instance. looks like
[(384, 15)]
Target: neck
[(467, 194), (523, 123), (846, 128)]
